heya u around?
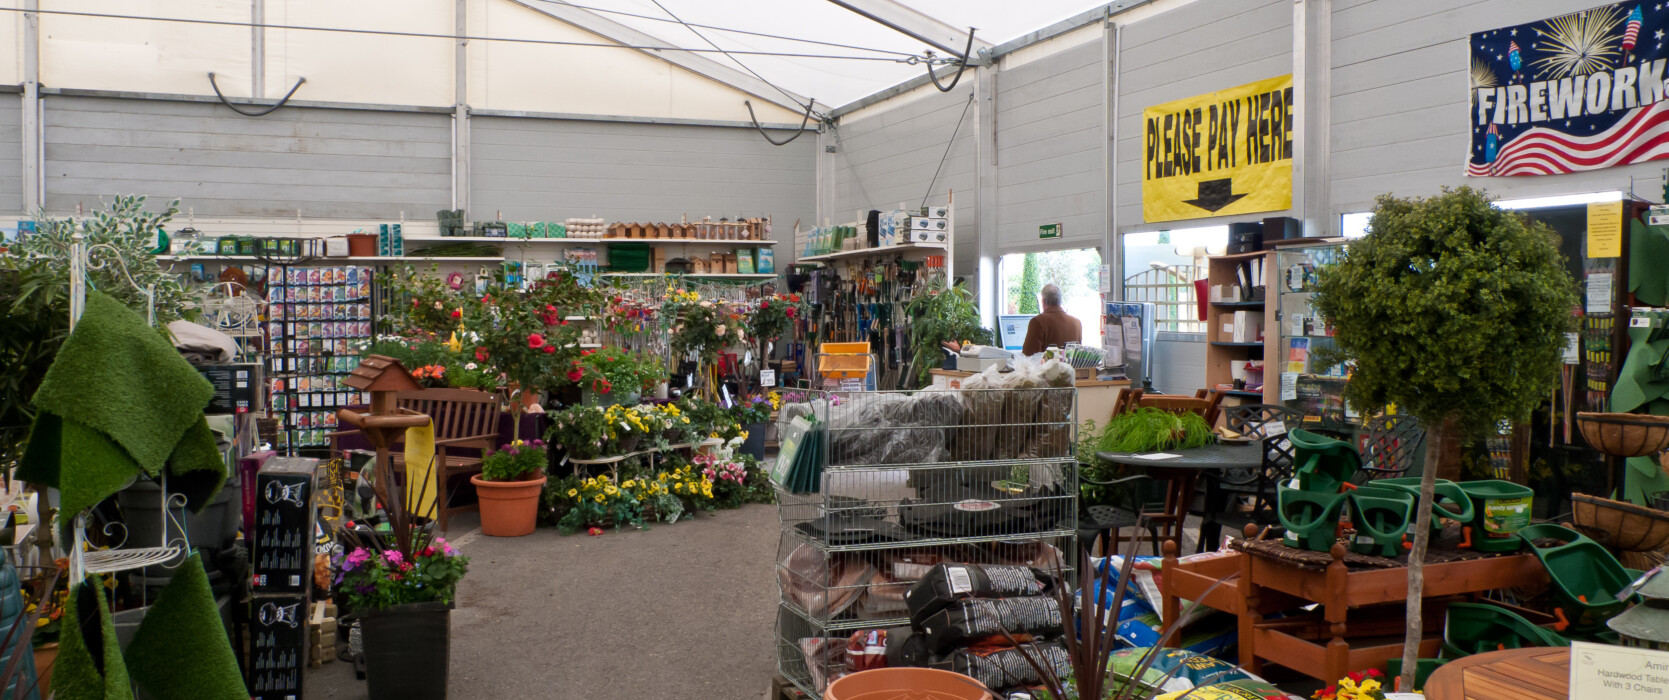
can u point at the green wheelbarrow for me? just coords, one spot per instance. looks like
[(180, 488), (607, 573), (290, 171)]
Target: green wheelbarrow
[(1586, 577), (1474, 628)]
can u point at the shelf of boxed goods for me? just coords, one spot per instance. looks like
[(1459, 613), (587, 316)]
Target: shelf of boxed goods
[(324, 260), (701, 275), (880, 250), (657, 241)]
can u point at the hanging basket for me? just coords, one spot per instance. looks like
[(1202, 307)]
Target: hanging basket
[(1624, 434), (1632, 528)]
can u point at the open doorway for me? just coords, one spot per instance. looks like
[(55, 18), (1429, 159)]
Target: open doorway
[(1076, 272)]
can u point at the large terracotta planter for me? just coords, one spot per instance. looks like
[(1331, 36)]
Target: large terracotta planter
[(906, 684), (508, 508)]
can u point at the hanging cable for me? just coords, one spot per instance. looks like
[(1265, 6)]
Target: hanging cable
[(785, 93), (961, 66), (948, 146), (761, 128), (653, 18), (281, 102), (453, 37)]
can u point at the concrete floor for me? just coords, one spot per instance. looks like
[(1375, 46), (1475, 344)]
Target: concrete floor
[(677, 611)]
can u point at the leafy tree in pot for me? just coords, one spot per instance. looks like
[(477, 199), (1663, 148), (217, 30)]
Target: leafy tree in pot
[(937, 317), (1456, 312)]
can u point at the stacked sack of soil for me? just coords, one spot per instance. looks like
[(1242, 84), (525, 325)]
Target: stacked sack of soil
[(968, 618)]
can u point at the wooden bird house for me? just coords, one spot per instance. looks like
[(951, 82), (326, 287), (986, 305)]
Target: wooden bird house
[(383, 377)]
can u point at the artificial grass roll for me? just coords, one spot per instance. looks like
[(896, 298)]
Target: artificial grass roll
[(89, 664), (181, 651), (119, 401)]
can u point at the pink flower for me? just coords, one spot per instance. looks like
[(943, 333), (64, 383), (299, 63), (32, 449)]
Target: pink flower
[(480, 354), (595, 531), (535, 341), (392, 555), (789, 312), (550, 349)]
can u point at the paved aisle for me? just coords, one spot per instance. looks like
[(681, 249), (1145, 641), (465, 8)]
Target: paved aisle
[(678, 611)]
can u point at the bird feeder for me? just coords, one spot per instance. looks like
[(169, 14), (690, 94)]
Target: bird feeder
[(1646, 625)]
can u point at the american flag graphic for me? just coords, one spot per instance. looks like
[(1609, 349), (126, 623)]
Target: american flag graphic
[(1583, 91), (1631, 33)]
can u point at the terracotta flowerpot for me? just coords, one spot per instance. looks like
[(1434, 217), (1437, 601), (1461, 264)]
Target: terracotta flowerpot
[(900, 683), (45, 654), (508, 508)]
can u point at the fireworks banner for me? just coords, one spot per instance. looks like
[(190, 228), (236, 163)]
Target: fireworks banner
[(1580, 92)]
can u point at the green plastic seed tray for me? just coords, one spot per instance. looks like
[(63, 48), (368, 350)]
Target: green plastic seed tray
[(1311, 519), (1586, 577), (1381, 517), (1448, 501)]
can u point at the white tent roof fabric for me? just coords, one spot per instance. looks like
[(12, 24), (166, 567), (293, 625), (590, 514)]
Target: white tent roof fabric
[(830, 81)]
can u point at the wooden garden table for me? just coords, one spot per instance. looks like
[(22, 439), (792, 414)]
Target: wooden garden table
[(1328, 643), (1514, 674)]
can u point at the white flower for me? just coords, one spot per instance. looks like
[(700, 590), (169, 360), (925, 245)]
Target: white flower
[(719, 330), (439, 306), (469, 365)]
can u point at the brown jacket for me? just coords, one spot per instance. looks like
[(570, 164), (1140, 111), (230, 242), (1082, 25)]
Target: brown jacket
[(1052, 327)]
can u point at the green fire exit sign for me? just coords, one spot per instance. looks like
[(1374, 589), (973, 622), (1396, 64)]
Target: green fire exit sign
[(1049, 231)]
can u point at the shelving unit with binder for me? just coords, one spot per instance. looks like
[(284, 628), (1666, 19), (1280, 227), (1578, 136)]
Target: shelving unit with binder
[(868, 504), (319, 315), (1237, 320)]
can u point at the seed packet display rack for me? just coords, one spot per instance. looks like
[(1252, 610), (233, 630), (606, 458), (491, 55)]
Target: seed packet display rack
[(908, 480)]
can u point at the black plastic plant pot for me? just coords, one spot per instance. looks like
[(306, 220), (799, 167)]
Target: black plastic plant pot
[(407, 650)]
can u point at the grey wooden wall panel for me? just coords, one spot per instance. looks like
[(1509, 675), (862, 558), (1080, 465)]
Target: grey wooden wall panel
[(1400, 106), (1179, 365), (547, 170), (886, 157), (1192, 50), (1049, 157), (11, 155), (323, 163)]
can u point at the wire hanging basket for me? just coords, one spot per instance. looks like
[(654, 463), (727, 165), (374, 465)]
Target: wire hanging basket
[(1624, 434)]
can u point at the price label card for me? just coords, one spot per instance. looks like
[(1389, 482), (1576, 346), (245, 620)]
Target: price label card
[(767, 377), (1616, 673), (1289, 386)]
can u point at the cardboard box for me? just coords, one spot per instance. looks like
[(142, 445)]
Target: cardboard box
[(281, 544), (920, 223), (278, 646), (921, 236), (237, 387), (937, 212), (767, 264)]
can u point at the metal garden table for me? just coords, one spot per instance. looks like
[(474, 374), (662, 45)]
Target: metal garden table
[(1182, 472)]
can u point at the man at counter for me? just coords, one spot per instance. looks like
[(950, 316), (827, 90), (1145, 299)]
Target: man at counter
[(1053, 327)]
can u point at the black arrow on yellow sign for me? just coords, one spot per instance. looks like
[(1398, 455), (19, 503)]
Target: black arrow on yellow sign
[(1215, 194)]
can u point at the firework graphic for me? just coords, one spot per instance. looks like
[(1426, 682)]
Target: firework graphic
[(1631, 34), (1579, 43), (1481, 75)]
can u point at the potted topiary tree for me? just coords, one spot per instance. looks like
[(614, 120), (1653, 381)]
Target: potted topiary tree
[(509, 485), (1456, 312)]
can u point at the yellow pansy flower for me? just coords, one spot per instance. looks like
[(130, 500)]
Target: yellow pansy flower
[(573, 492)]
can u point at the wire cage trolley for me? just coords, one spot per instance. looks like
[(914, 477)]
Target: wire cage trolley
[(875, 488)]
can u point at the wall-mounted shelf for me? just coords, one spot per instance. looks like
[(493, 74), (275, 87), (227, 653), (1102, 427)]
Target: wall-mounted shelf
[(1237, 304), (884, 250), (584, 241), (1225, 344), (325, 260)]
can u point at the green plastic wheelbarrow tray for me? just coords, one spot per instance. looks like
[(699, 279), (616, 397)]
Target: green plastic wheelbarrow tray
[(1381, 517), (1322, 464), (1499, 510), (1448, 500), (1586, 577), (1311, 519), (1474, 628)]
